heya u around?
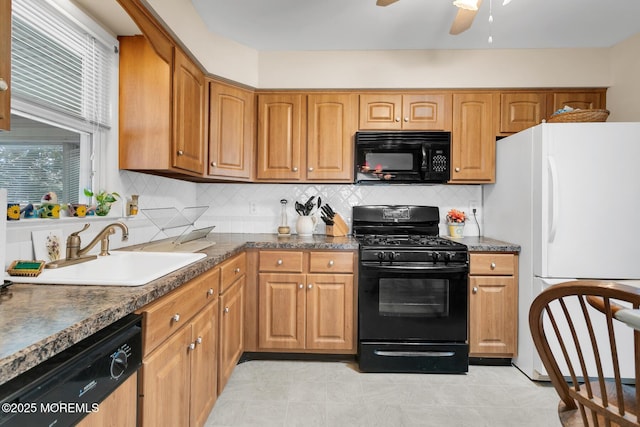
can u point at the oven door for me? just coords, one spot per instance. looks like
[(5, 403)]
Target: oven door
[(413, 304)]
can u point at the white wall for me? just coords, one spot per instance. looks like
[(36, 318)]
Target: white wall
[(624, 93)]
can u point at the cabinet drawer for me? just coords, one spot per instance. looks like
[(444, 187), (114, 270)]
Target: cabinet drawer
[(331, 262), (232, 269), (492, 264), (291, 262), (167, 314)]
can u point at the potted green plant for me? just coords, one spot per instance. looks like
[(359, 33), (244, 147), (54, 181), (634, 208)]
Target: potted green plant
[(103, 200)]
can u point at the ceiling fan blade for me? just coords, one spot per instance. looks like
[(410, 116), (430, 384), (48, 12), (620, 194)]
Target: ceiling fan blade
[(385, 2), (463, 20)]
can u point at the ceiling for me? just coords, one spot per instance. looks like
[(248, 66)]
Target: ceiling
[(408, 24)]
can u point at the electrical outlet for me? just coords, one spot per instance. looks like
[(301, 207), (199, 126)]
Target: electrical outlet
[(474, 204), (253, 208)]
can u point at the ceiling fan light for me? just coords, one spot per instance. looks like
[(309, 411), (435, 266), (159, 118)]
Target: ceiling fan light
[(466, 4)]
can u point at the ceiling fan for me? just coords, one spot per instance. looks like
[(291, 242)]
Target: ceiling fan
[(467, 10)]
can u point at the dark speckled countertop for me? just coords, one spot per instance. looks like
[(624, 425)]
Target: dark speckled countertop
[(39, 321)]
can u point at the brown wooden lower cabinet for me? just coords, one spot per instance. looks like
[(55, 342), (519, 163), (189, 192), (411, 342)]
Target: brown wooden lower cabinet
[(309, 310), (119, 409), (493, 305), (231, 331), (178, 379)]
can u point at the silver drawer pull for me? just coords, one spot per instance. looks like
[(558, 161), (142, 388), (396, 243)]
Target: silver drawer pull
[(192, 346), (474, 290), (331, 263), (199, 340), (295, 169), (180, 153), (493, 265), (176, 317), (301, 285), (279, 262), (226, 310), (237, 270), (310, 285), (210, 291)]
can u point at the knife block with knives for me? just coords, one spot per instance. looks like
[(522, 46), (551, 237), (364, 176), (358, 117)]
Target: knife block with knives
[(336, 226)]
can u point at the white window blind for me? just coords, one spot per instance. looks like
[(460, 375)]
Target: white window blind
[(58, 65)]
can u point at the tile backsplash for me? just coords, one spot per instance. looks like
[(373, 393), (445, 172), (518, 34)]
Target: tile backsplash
[(239, 208)]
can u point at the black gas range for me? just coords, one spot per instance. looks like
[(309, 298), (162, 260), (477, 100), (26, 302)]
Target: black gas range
[(412, 287)]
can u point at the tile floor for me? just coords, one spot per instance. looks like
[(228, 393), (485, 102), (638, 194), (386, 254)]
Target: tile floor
[(333, 394)]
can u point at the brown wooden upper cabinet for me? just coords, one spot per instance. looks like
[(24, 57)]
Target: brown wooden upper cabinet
[(521, 110), (305, 137), (162, 101), (582, 100), (5, 64), (419, 111), (231, 131), (473, 140)]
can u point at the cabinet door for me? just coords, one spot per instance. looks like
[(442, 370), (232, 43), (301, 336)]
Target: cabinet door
[(231, 331), (166, 382), (330, 129), (119, 409), (5, 64), (188, 114), (231, 119), (280, 131), (519, 111), (144, 132), (426, 112), (330, 314), (281, 311), (492, 314), (380, 111), (582, 100), (473, 145), (204, 364)]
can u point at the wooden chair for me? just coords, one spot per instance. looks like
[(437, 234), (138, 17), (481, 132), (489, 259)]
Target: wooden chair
[(579, 329)]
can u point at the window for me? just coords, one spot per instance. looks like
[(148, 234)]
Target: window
[(62, 72)]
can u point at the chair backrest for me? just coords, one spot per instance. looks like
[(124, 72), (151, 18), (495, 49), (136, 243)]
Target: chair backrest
[(580, 342)]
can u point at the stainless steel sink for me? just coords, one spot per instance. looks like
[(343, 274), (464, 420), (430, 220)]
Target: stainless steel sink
[(121, 268)]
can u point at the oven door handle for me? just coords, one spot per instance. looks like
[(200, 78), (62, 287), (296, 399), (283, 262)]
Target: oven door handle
[(415, 268)]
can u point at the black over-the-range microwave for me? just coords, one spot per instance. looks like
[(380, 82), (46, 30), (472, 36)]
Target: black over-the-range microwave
[(402, 157)]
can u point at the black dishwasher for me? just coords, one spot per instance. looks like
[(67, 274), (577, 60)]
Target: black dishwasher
[(70, 385)]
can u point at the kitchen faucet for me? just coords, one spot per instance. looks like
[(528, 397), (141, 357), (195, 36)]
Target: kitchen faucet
[(77, 255)]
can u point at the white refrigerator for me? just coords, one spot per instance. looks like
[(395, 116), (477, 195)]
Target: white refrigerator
[(569, 195)]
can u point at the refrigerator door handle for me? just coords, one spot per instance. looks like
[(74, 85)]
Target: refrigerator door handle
[(553, 175)]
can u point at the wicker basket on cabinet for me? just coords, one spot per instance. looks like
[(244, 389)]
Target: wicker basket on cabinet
[(577, 116)]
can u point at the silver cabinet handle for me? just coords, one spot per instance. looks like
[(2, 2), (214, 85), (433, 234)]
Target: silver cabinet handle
[(192, 346), (180, 152), (210, 291), (3, 85), (331, 263), (301, 285), (474, 290), (310, 285), (397, 119), (493, 265), (295, 169), (279, 262), (214, 164), (199, 340), (310, 169), (226, 310), (237, 270), (176, 317), (457, 169), (406, 119)]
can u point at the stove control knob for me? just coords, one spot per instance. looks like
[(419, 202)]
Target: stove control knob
[(381, 255), (435, 256), (448, 256), (393, 256)]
